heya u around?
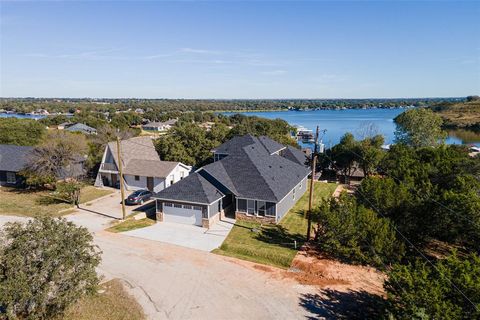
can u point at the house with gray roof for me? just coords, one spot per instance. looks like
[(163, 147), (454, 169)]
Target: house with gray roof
[(141, 164), (159, 126), (80, 127), (252, 178), (13, 160)]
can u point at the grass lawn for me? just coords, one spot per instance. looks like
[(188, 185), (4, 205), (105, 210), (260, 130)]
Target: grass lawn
[(114, 303), (131, 224), (21, 202), (273, 244)]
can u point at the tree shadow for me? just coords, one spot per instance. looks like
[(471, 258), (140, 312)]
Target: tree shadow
[(46, 200), (277, 234), (331, 304)]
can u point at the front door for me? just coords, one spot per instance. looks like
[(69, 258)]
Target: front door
[(114, 180), (150, 183)]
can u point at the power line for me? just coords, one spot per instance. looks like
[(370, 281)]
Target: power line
[(409, 242)]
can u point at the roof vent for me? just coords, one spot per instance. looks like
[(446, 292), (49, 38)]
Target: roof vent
[(270, 167)]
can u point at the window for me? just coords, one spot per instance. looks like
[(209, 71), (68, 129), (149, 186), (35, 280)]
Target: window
[(11, 177), (167, 204), (137, 178), (261, 207), (270, 209), (242, 205), (197, 208), (251, 206), (176, 205), (186, 206)]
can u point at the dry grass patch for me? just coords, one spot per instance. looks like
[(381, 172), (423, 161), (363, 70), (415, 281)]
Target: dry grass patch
[(131, 224), (111, 303), (28, 203)]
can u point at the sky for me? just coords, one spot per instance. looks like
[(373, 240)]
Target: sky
[(239, 49)]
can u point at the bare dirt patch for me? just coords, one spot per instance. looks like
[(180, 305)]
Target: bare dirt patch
[(311, 268)]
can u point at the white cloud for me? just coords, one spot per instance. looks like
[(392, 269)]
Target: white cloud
[(274, 72)]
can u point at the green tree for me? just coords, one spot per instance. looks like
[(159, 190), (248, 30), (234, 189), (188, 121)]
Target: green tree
[(46, 265), (70, 191), (370, 154), (419, 128), (420, 291), (55, 158), (352, 232), (345, 154), (22, 132)]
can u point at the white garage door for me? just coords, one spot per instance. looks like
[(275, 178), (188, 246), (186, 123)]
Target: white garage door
[(185, 214)]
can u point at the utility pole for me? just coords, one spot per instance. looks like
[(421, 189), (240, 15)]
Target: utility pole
[(120, 169), (310, 200)]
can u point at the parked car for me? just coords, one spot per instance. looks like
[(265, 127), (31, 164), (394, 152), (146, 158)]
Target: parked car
[(139, 197)]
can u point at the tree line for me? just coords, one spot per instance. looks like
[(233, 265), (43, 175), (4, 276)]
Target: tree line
[(415, 215)]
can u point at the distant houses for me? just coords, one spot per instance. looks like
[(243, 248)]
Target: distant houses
[(159, 126)]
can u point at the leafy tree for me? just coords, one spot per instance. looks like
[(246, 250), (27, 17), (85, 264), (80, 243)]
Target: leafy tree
[(428, 193), (370, 154), (70, 191), (46, 265), (344, 154), (22, 132), (55, 157), (352, 232), (420, 291), (419, 128)]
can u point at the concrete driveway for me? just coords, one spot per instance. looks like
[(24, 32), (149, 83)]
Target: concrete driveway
[(184, 235), (111, 206), (173, 282)]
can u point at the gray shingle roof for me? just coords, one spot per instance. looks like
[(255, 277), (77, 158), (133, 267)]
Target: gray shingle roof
[(80, 127), (193, 188), (236, 144), (253, 173), (139, 157), (295, 155), (13, 158)]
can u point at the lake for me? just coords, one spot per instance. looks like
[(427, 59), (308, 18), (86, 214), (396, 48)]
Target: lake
[(338, 122), (21, 116)]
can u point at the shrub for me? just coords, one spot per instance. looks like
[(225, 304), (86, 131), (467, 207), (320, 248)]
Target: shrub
[(352, 232), (420, 291), (45, 266)]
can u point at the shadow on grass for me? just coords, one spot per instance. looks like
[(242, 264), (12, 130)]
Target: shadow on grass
[(279, 235), (331, 304), (46, 200)]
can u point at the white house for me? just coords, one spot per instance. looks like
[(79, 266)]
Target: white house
[(142, 167), (159, 126)]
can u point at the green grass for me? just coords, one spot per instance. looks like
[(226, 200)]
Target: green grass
[(27, 203), (131, 224), (273, 244), (113, 303)]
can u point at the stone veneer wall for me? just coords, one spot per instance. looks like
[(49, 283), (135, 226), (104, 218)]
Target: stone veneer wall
[(207, 223), (244, 216)]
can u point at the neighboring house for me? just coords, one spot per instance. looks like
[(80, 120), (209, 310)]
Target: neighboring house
[(251, 178), (80, 127), (13, 160), (142, 167), (159, 126)]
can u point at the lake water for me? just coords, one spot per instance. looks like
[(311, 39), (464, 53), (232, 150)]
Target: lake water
[(21, 116), (338, 122)]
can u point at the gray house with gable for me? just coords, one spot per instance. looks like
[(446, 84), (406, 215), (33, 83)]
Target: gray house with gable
[(253, 178)]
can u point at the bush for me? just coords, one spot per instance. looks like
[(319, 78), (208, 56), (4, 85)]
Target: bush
[(352, 232), (419, 291), (46, 265)]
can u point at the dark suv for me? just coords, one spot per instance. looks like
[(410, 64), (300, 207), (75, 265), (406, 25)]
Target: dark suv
[(139, 197)]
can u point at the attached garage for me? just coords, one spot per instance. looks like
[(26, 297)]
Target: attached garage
[(182, 213)]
